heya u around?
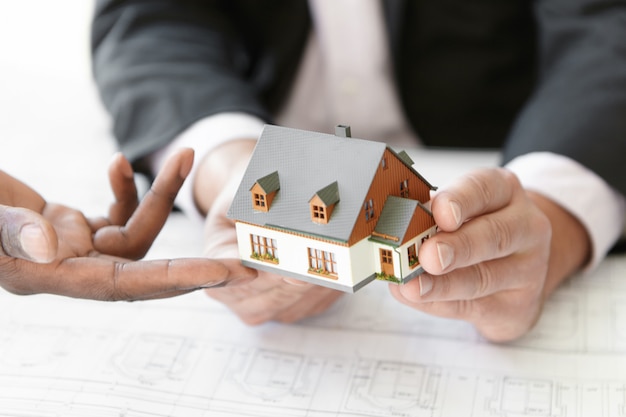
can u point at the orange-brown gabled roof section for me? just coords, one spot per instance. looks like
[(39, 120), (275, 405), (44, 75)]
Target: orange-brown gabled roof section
[(386, 183)]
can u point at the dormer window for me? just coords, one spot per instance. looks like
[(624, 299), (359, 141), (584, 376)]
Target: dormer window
[(264, 190), (318, 213), (368, 209), (323, 203), (404, 188), (259, 201)]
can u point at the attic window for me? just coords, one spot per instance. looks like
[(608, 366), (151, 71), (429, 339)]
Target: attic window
[(259, 201), (318, 212), (383, 163), (264, 190), (404, 188), (368, 210), (323, 203)]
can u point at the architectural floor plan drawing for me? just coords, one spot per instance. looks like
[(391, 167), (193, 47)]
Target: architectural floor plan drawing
[(367, 356)]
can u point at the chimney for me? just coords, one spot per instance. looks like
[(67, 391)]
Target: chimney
[(343, 131)]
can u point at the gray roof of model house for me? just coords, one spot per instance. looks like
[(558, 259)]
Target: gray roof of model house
[(395, 219), (308, 163)]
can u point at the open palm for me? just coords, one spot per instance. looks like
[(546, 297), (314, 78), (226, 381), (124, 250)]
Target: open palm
[(51, 248)]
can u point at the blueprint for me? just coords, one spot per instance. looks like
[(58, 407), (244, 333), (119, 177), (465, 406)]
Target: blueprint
[(367, 356)]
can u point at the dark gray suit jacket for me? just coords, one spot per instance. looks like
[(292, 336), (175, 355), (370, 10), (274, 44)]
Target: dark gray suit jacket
[(548, 75)]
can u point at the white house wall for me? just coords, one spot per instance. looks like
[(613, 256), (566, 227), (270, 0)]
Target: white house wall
[(363, 262), (292, 253), (354, 264)]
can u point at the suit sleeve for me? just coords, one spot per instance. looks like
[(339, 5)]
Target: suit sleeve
[(579, 107), (162, 65)]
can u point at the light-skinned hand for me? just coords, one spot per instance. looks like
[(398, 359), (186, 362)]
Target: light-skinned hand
[(51, 248), (500, 252)]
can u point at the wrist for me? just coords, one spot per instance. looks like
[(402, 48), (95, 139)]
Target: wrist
[(570, 245), (217, 168)]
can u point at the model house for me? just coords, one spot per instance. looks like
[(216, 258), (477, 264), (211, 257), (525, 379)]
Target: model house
[(330, 209)]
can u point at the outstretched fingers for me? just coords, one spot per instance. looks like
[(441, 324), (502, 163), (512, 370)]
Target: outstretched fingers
[(101, 278), (122, 179), (133, 238)]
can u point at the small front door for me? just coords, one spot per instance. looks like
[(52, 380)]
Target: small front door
[(386, 262)]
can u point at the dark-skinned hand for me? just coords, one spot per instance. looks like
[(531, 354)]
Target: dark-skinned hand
[(51, 248)]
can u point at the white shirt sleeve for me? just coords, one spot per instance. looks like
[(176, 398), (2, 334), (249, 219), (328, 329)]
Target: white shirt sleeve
[(583, 193), (203, 136)]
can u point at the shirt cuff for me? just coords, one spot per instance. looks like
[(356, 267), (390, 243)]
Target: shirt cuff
[(582, 192), (203, 136)]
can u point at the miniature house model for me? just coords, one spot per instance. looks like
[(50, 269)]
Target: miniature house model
[(330, 209)]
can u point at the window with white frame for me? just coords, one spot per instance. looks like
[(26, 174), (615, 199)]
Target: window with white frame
[(322, 262), (263, 248)]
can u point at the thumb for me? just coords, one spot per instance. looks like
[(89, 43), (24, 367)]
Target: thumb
[(27, 235)]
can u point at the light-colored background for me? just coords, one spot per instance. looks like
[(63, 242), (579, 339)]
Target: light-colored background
[(54, 133), (51, 121)]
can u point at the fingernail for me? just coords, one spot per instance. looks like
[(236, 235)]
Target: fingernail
[(34, 243), (446, 255), (124, 165), (426, 284), (455, 208)]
